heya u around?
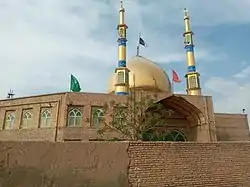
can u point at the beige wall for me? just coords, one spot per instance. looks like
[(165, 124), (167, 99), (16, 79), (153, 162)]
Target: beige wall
[(93, 164), (115, 164), (232, 127)]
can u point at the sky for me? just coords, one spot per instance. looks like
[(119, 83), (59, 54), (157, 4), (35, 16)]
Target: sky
[(43, 42)]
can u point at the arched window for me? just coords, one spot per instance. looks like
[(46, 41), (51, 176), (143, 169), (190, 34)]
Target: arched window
[(46, 119), (119, 117), (9, 122), (27, 120), (176, 136), (97, 117), (74, 118)]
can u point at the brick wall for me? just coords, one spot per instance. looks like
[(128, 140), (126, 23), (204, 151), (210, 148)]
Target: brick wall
[(142, 164), (232, 127), (189, 164), (227, 127)]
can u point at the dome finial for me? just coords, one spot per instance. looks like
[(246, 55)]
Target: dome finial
[(121, 4), (185, 12)]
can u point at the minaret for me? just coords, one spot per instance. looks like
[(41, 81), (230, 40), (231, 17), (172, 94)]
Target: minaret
[(122, 72), (192, 76)]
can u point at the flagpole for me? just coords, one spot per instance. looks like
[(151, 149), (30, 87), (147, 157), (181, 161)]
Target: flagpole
[(70, 82), (138, 45), (155, 84), (137, 48), (172, 83), (172, 86), (134, 85)]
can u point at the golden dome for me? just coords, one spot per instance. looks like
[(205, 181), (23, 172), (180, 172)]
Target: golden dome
[(147, 74)]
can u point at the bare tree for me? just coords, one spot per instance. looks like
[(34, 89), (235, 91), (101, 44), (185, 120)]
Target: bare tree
[(136, 119)]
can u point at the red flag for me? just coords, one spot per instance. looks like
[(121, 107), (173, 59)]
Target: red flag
[(175, 77)]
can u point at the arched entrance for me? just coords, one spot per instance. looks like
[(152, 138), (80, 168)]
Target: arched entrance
[(184, 122), (185, 118)]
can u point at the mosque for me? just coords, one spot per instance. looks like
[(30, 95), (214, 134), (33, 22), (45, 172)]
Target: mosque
[(61, 116)]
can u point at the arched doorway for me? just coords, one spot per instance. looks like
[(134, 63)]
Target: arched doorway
[(183, 122), (186, 123)]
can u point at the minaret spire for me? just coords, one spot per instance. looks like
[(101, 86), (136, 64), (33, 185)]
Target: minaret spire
[(122, 72), (192, 76)]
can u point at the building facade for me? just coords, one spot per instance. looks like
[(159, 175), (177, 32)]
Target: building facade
[(63, 117)]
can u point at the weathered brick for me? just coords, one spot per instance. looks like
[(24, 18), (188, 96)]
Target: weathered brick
[(189, 164)]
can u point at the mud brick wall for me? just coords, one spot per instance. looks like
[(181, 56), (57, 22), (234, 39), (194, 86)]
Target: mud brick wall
[(124, 164), (65, 164), (189, 164)]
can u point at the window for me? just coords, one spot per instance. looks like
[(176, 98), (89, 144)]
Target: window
[(27, 120), (122, 32), (9, 122), (74, 118), (187, 39), (175, 136), (46, 118), (97, 117), (120, 77), (120, 116), (192, 82), (126, 77)]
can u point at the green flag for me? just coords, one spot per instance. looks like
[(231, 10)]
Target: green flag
[(74, 84)]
